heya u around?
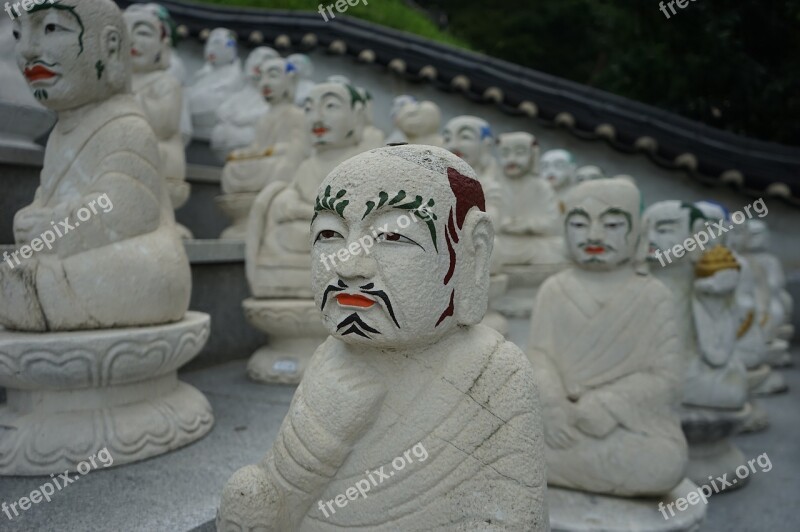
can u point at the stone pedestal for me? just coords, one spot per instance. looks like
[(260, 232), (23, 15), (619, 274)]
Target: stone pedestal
[(710, 452), (577, 511), (523, 285), (70, 394), (778, 355), (295, 330), (237, 208)]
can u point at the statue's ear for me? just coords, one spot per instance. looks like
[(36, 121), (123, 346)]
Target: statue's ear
[(111, 42), (474, 260)]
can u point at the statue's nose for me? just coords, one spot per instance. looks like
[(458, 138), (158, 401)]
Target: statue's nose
[(357, 267)]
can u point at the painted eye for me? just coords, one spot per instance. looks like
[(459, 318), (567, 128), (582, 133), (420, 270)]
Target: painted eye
[(50, 28), (578, 224), (395, 238), (613, 225), (16, 35), (327, 234)]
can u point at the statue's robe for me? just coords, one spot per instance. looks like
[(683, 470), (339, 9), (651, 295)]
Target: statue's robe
[(471, 402), (210, 88), (771, 292), (719, 382), (160, 96), (283, 130), (122, 268), (620, 352), (277, 247), (238, 120), (531, 231)]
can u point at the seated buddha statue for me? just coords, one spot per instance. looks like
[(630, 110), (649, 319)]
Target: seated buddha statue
[(102, 158), (406, 371), (159, 93), (213, 84), (606, 355), (238, 117), (530, 227)]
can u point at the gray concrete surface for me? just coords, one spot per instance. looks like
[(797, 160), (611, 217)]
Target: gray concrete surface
[(179, 492)]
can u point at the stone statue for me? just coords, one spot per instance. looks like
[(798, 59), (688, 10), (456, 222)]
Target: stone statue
[(558, 168), (588, 173), (280, 143), (399, 371), (239, 116), (714, 379), (104, 281), (159, 95), (604, 347), (212, 85), (471, 138), (305, 71), (530, 228), (176, 67), (417, 122), (773, 300), (277, 251)]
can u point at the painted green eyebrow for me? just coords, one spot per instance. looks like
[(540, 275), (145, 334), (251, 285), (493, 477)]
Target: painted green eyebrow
[(70, 9), (414, 206), (328, 203)]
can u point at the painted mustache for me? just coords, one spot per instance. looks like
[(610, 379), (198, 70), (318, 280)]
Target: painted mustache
[(359, 300)]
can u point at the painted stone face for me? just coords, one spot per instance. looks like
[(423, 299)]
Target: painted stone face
[(518, 153), (558, 167), (72, 55), (220, 47), (334, 116), (252, 66), (588, 173), (602, 223), (149, 40), (386, 260), (469, 137), (278, 80), (669, 225)]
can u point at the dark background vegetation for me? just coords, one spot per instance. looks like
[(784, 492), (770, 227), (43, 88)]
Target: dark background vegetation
[(732, 64)]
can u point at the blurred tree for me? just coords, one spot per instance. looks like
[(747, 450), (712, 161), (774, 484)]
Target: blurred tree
[(734, 65)]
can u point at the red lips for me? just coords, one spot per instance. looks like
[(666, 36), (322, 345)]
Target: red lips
[(135, 52), (354, 300), (319, 131), (38, 73), (594, 250)]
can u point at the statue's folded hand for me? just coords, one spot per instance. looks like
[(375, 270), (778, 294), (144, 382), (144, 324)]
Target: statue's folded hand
[(345, 396), (560, 431), (593, 419), (31, 222)]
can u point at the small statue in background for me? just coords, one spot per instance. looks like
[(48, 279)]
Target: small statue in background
[(213, 84), (239, 116)]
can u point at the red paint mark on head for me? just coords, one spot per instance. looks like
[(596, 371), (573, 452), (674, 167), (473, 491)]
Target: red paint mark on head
[(468, 193)]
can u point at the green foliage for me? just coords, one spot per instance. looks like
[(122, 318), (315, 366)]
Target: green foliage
[(391, 13), (733, 65)]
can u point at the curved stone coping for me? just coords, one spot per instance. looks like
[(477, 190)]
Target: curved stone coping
[(99, 358), (711, 155), (577, 511)]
